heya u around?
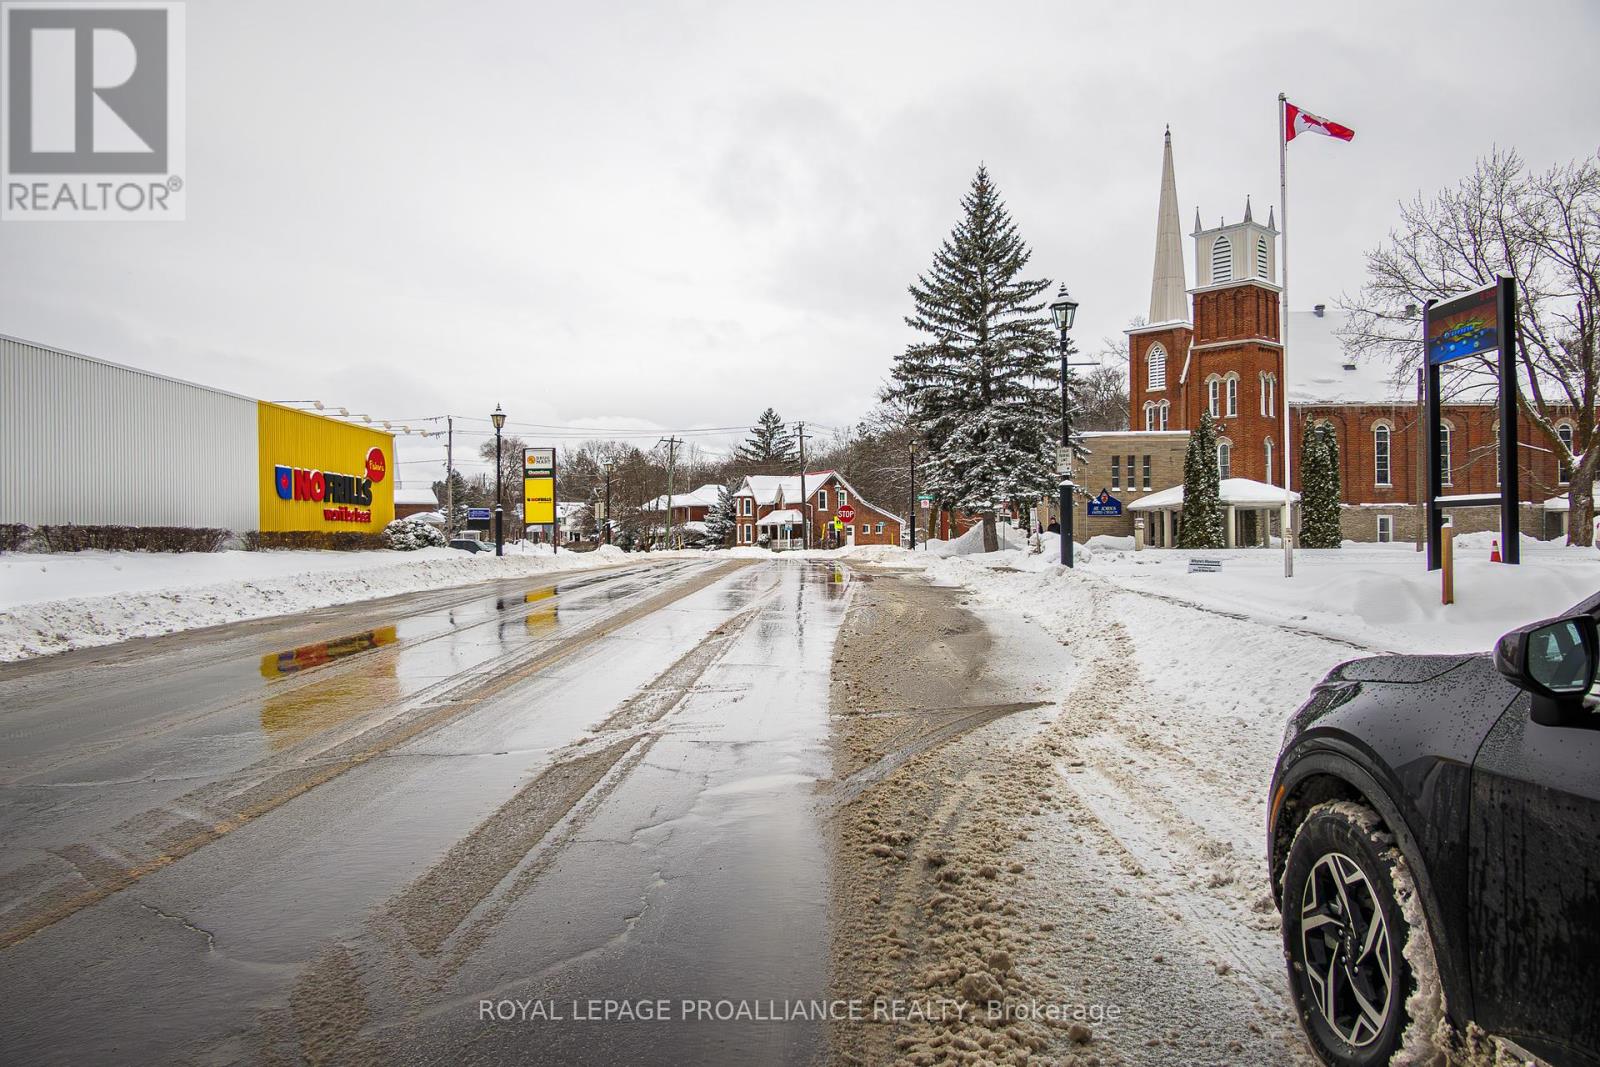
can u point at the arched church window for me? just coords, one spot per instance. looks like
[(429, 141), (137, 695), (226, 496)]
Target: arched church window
[(1224, 458), (1233, 395), (1162, 410), (1156, 368), (1214, 396), (1382, 439), (1222, 260)]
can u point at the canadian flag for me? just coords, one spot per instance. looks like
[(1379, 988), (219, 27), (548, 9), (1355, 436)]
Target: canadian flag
[(1296, 122)]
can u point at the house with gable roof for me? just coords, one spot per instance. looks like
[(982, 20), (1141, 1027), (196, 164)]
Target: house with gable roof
[(773, 511)]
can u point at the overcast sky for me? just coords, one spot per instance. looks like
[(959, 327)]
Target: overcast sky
[(666, 216)]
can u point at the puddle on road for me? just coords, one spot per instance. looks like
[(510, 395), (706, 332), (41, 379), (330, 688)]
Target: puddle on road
[(294, 660)]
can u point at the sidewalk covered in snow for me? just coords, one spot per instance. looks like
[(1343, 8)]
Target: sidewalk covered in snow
[(1247, 505)]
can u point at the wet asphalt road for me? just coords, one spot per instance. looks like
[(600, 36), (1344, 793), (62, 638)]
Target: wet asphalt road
[(335, 837)]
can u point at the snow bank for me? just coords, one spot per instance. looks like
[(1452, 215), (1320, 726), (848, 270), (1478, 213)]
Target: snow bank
[(55, 602), (1377, 596)]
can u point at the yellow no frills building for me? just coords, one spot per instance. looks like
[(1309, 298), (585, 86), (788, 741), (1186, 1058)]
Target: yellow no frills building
[(92, 443)]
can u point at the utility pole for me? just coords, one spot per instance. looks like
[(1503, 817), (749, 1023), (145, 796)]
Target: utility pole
[(672, 444), (913, 511), (805, 507), (449, 477)]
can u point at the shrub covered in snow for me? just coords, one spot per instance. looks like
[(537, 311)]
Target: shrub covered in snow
[(404, 535)]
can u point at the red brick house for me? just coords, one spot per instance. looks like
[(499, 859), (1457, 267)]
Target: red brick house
[(770, 511)]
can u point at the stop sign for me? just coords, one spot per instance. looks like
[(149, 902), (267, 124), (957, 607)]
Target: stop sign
[(846, 512)]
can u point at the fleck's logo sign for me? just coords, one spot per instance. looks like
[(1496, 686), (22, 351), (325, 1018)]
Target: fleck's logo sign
[(91, 111)]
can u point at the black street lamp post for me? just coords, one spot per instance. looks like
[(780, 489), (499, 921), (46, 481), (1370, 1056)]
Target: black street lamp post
[(499, 420), (608, 503), (1063, 310)]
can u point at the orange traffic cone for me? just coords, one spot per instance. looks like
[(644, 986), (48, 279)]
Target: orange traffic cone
[(1494, 553)]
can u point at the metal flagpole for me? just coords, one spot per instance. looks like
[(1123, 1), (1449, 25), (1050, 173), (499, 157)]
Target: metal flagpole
[(1283, 331)]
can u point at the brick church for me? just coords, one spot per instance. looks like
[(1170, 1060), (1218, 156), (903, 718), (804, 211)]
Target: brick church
[(1219, 347)]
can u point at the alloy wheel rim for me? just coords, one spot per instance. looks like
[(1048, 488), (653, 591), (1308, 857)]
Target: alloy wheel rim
[(1344, 944)]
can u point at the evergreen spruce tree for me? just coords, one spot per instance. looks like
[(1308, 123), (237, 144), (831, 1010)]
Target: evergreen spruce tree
[(981, 382), (1320, 490), (1202, 500), (770, 445), (720, 521), (458, 487)]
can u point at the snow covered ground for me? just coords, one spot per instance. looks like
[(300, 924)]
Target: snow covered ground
[(1371, 596), (56, 602), (1178, 688)]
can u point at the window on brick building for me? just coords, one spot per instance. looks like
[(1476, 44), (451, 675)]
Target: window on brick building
[(1232, 383), (844, 498), (1269, 393), (1563, 468), (1446, 431), (880, 527), (1146, 474), (1156, 368), (1382, 437), (1149, 416), (822, 500), (1116, 472), (1162, 410), (1494, 435), (1214, 395), (1267, 446), (1385, 528), (1222, 260), (1224, 458)]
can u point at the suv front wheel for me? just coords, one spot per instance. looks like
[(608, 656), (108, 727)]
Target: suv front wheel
[(1354, 956)]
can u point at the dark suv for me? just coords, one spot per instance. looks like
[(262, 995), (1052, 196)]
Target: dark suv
[(1434, 843)]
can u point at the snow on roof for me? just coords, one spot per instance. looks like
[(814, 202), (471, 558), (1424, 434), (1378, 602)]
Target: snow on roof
[(1558, 503), (765, 488), (416, 496), (1240, 492), (781, 517), (703, 497), (1320, 371)]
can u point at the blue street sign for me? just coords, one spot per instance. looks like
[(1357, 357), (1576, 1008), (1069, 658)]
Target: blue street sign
[(478, 513)]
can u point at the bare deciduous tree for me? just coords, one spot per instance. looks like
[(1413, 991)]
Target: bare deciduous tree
[(1542, 229)]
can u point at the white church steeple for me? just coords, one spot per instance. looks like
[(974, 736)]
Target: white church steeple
[(1169, 300)]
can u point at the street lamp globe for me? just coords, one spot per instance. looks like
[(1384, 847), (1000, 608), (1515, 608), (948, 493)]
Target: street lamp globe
[(1063, 310), (498, 418)]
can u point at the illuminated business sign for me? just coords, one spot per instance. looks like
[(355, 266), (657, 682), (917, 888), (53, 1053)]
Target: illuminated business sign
[(539, 486)]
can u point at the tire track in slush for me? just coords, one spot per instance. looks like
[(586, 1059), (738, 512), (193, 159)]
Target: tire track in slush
[(432, 927)]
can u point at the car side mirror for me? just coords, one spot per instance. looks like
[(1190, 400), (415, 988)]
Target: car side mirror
[(1554, 660)]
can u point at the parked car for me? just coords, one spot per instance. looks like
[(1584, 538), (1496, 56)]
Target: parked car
[(1434, 844), (467, 544)]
